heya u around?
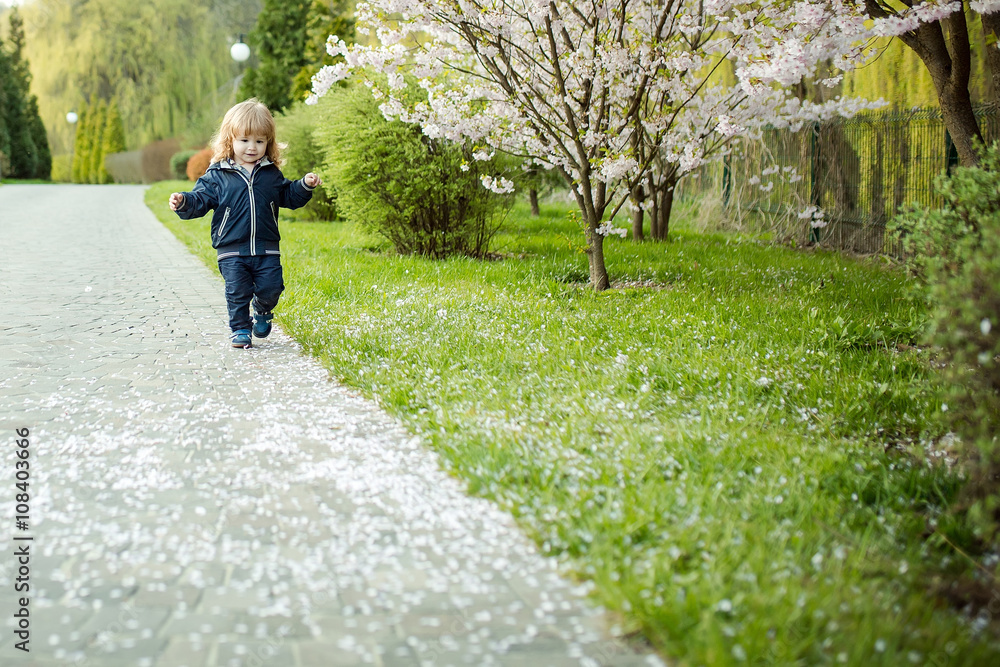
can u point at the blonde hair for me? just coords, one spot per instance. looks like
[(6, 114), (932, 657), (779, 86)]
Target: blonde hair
[(246, 118)]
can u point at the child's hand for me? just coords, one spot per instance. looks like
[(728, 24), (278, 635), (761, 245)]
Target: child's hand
[(176, 201), (312, 180)]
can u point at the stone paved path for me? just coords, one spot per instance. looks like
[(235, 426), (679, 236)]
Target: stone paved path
[(192, 504)]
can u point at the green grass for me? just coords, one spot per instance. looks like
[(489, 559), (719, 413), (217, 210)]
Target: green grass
[(740, 456)]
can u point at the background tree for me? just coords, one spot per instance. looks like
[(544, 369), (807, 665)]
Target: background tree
[(22, 134), (938, 32), (98, 119), (81, 147), (279, 39), (165, 62), (326, 17), (113, 140), (599, 92)]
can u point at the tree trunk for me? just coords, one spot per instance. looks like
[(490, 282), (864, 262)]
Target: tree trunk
[(637, 196), (659, 225), (533, 198), (950, 69), (595, 254), (956, 108), (666, 206), (991, 27)]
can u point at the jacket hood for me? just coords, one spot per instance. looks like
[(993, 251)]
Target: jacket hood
[(224, 164)]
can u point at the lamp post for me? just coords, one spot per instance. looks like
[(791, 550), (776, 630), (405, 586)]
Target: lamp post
[(239, 52)]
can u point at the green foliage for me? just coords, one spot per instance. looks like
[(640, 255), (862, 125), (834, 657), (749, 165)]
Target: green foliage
[(179, 163), (95, 161), (402, 184), (901, 78), (165, 63), (113, 140), (24, 148), (303, 154), (698, 446), (954, 252), (62, 168), (279, 40), (326, 17), (99, 133), (82, 147)]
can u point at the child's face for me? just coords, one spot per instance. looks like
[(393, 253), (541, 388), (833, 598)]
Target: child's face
[(248, 148)]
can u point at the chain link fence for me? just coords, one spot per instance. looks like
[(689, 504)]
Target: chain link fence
[(859, 171)]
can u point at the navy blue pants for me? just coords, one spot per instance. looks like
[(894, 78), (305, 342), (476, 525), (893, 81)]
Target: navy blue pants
[(258, 279)]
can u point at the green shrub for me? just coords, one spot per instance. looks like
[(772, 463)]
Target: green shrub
[(403, 185), (62, 168), (179, 163), (954, 252), (303, 154)]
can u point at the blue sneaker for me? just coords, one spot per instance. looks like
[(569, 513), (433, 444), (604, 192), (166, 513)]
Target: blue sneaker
[(262, 324), (241, 338)]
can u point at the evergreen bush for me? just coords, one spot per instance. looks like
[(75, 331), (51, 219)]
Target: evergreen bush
[(954, 252), (303, 154), (98, 119), (112, 141), (403, 185), (81, 147), (179, 163), (62, 168)]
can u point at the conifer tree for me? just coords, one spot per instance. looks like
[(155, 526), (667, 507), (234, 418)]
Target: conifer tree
[(5, 76), (96, 158), (113, 139), (81, 147), (22, 135)]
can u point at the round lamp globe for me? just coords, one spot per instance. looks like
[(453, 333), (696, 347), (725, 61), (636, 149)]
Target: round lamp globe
[(240, 52)]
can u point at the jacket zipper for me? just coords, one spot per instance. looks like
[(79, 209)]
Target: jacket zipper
[(274, 214), (253, 212), (222, 227)]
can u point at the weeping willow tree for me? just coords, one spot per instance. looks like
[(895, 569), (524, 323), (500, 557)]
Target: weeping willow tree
[(901, 78), (165, 63)]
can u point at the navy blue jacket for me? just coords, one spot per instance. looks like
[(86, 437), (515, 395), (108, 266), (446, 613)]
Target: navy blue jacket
[(245, 221)]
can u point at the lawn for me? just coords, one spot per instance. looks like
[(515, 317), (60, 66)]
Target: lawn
[(741, 446)]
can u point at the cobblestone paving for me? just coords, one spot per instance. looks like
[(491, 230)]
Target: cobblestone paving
[(192, 504)]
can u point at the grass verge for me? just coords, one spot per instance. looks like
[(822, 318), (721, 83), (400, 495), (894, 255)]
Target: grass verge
[(737, 446)]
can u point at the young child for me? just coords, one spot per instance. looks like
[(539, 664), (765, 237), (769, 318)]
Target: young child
[(245, 188)]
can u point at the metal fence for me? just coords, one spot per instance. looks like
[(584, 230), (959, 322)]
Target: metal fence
[(859, 171)]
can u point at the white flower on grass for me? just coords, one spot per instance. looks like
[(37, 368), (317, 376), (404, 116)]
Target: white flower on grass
[(880, 645), (985, 326), (725, 605), (763, 381), (817, 560)]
